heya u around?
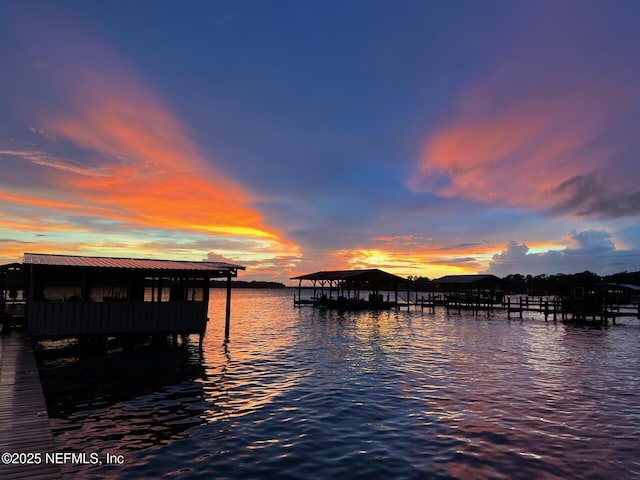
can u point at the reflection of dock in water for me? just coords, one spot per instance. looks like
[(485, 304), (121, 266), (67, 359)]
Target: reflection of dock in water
[(85, 376), (152, 391)]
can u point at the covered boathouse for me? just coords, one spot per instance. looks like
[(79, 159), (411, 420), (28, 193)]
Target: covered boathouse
[(470, 287), (75, 296), (350, 289)]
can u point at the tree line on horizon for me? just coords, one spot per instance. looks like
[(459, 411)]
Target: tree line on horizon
[(519, 283), (514, 283), (246, 284)]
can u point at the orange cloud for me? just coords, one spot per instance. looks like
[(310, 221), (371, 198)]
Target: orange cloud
[(407, 255), (35, 201), (151, 172), (517, 150), (519, 154), (405, 263), (111, 153)]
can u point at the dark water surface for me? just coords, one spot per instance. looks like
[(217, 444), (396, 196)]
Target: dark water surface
[(304, 393)]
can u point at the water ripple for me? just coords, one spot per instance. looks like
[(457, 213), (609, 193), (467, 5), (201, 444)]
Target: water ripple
[(303, 393)]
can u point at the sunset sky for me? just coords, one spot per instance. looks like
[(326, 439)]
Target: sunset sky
[(420, 137)]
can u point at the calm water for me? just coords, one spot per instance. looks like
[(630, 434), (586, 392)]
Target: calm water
[(304, 393)]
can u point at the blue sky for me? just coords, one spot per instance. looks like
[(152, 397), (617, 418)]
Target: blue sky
[(423, 138)]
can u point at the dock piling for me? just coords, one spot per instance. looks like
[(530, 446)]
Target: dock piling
[(227, 315)]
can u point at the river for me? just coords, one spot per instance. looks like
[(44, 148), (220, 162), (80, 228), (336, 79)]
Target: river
[(309, 393)]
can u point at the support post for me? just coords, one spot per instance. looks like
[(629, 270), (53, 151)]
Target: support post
[(546, 309), (521, 307), (227, 316), (398, 306)]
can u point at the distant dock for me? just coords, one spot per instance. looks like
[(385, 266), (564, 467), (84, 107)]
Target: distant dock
[(348, 286), (476, 294), (24, 423), (549, 306)]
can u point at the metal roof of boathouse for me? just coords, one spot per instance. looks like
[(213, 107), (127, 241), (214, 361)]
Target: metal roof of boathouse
[(372, 275), (126, 263)]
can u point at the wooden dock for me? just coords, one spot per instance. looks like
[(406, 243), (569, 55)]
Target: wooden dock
[(24, 422), (550, 307)]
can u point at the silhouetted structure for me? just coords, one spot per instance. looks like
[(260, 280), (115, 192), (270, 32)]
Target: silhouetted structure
[(485, 287), (342, 289), (73, 296), (602, 300), (11, 292)]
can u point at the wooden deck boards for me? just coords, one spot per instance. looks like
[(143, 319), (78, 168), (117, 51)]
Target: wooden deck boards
[(24, 423)]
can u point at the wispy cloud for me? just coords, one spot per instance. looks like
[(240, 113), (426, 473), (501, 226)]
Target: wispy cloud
[(135, 164), (276, 268), (413, 255), (422, 256), (524, 152), (153, 172), (47, 160), (550, 118)]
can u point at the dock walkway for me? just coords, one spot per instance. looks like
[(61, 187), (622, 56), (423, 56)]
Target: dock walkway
[(24, 423), (548, 306)]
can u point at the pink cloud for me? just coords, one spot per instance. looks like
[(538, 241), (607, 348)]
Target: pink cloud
[(554, 108), (520, 153)]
